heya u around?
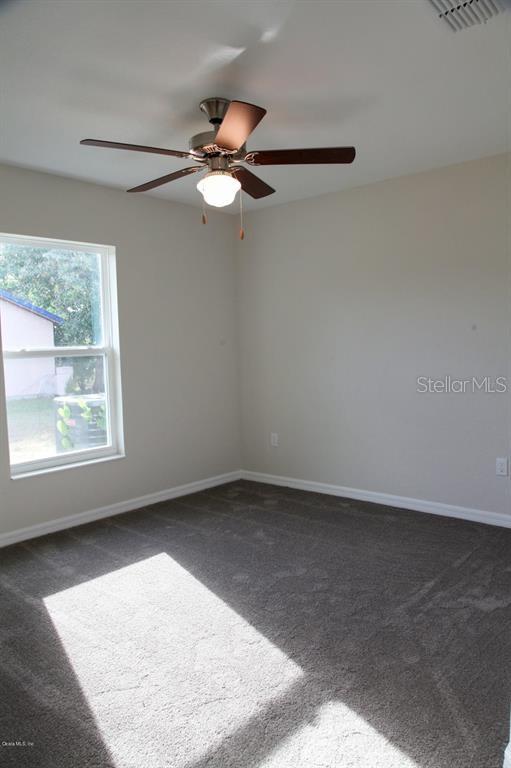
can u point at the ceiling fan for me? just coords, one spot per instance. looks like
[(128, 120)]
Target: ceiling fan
[(222, 151)]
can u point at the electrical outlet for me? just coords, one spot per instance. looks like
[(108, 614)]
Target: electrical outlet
[(274, 439), (502, 466)]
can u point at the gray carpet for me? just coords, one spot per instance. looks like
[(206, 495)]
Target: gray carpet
[(251, 626)]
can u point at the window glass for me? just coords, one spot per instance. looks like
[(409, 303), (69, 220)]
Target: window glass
[(64, 283), (55, 405), (58, 404)]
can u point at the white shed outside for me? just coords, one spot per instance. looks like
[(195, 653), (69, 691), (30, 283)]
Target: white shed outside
[(25, 325)]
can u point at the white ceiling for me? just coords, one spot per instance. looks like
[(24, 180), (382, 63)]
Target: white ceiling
[(385, 75)]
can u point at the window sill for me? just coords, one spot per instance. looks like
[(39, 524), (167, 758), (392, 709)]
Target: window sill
[(72, 465)]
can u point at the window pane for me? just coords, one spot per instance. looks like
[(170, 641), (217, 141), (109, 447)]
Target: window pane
[(49, 297), (55, 405)]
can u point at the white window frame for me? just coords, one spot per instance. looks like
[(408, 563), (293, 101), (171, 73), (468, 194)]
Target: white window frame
[(109, 350)]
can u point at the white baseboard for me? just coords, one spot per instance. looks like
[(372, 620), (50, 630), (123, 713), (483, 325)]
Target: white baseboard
[(507, 757), (70, 521), (403, 502)]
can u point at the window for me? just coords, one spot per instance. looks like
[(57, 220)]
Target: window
[(59, 341)]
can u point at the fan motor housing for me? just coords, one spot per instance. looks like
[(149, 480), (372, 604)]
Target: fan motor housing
[(204, 144)]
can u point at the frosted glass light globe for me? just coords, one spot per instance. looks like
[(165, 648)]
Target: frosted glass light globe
[(218, 188)]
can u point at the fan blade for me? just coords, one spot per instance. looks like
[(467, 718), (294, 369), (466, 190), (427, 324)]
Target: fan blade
[(165, 179), (239, 122), (136, 148), (252, 184), (301, 156)]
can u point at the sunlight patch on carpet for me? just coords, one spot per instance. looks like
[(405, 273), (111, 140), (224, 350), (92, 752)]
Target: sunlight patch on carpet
[(168, 669), (337, 736)]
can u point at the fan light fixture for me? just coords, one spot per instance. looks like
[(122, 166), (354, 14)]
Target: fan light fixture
[(219, 188)]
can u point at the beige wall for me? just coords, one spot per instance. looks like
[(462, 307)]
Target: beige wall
[(176, 286), (342, 302), (345, 299)]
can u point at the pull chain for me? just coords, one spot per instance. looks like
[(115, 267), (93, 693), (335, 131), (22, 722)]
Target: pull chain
[(242, 231), (204, 214)]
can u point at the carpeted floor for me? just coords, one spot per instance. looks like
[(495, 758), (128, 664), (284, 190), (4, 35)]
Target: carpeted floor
[(251, 626)]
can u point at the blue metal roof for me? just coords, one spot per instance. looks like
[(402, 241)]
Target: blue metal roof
[(24, 304)]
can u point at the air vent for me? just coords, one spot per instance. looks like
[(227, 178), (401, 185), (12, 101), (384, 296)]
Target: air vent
[(460, 15)]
